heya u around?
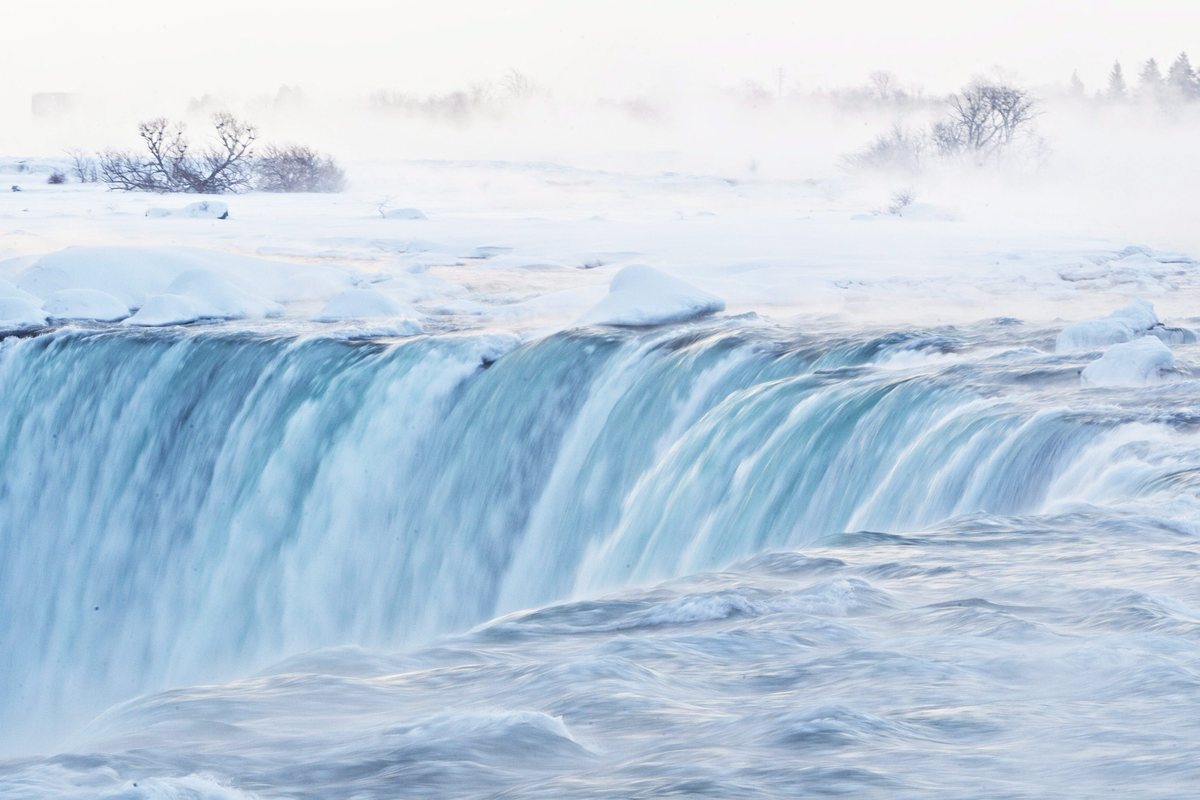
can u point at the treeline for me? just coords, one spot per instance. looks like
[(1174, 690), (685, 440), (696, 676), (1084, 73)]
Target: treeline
[(1178, 86)]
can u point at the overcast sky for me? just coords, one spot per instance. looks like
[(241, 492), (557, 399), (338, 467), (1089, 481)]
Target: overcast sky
[(149, 47)]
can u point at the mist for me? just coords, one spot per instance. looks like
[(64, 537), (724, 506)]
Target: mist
[(1101, 167)]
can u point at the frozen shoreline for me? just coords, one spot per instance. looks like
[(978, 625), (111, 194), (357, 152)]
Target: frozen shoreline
[(531, 248)]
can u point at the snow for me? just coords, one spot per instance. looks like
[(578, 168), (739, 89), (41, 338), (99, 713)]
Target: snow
[(361, 304), (217, 297), (218, 285), (642, 295), (7, 289), (88, 304), (205, 209), (165, 309), (1141, 362), (404, 213), (17, 313), (532, 247), (1122, 325)]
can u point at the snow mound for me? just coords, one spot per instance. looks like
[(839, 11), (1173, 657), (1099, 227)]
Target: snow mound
[(1122, 325), (17, 313), (10, 292), (641, 295), (165, 309), (89, 304), (1142, 362), (216, 297), (130, 274), (205, 209), (356, 304), (404, 213)]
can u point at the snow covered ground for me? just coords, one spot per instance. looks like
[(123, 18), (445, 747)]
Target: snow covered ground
[(533, 247)]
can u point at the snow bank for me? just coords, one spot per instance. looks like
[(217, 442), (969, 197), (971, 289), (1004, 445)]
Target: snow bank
[(1142, 362), (1122, 325), (89, 304), (17, 313), (386, 315), (642, 295), (205, 209), (165, 309), (216, 297), (8, 289), (219, 285), (404, 213), (357, 304)]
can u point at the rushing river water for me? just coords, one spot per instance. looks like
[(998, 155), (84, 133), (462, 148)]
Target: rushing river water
[(762, 562)]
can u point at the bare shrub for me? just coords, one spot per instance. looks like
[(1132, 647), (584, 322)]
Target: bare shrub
[(83, 167), (900, 201), (897, 150), (296, 168), (170, 165), (56, 177)]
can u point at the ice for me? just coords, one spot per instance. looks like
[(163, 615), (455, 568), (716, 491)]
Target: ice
[(641, 295), (90, 304), (205, 209), (1122, 325), (1142, 362)]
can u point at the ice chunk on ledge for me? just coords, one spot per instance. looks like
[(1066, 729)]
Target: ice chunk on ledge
[(642, 295), (90, 304), (165, 309), (1122, 325), (10, 291), (205, 209), (216, 297), (359, 305), (1142, 362), (135, 274), (18, 313)]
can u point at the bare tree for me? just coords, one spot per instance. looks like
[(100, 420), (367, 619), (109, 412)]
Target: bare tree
[(296, 168), (517, 84), (883, 83), (83, 166), (985, 119), (169, 164)]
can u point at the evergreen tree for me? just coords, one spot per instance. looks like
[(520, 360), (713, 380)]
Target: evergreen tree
[(1076, 89), (1150, 81), (1116, 82), (1181, 78)]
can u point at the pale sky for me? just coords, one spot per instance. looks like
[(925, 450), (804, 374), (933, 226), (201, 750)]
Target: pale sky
[(130, 48)]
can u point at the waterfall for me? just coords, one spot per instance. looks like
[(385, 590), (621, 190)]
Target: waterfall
[(191, 506)]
